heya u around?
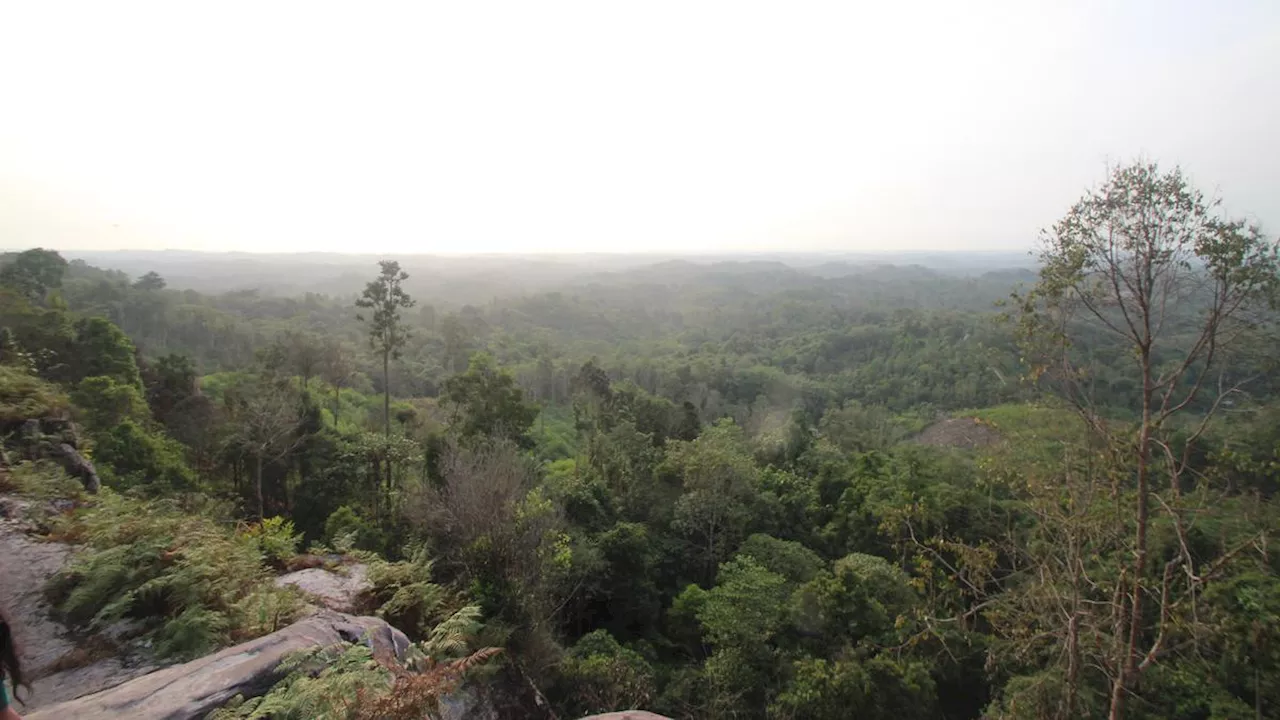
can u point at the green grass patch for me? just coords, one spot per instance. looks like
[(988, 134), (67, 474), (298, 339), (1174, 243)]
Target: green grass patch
[(24, 396)]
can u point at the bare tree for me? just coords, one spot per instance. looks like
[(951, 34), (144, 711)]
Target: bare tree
[(1147, 267), (268, 417), (337, 366), (490, 522)]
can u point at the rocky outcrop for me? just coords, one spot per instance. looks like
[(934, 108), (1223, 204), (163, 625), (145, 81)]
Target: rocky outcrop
[(194, 689), (58, 440), (76, 466), (340, 590)]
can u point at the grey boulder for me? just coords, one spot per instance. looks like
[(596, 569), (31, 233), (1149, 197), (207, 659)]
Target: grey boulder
[(340, 591), (194, 689)]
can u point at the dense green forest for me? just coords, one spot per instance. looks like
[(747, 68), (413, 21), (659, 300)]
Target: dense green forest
[(716, 489)]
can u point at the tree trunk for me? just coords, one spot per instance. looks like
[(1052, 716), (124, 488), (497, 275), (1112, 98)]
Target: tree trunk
[(1257, 693), (386, 419), (258, 487), (386, 394), (1128, 665)]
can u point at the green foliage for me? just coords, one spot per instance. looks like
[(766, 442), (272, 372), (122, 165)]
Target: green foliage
[(744, 426), (854, 427), (863, 597), (405, 593), (275, 538), (746, 607), (385, 298), (105, 402), (130, 455), (553, 434), (878, 689), (791, 560), (196, 582), (719, 480), (33, 273), (345, 530), (487, 403), (103, 350), (150, 282), (599, 675)]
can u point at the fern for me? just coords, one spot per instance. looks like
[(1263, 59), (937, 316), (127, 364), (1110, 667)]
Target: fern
[(451, 638), (198, 582), (407, 598), (345, 674)]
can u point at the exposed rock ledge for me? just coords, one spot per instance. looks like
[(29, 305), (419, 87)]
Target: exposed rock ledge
[(194, 689)]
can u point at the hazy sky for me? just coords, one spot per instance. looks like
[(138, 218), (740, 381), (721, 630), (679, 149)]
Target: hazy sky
[(610, 126)]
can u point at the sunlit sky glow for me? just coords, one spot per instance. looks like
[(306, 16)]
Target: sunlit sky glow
[(458, 127)]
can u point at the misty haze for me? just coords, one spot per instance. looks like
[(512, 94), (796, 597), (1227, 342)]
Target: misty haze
[(591, 361)]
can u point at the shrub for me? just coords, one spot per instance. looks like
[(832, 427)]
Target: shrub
[(345, 530)]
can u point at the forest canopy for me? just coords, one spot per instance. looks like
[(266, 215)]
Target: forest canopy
[(740, 488)]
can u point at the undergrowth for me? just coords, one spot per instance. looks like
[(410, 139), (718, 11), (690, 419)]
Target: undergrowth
[(196, 581), (24, 396)]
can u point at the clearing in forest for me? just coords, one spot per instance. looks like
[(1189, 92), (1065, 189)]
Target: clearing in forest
[(966, 433)]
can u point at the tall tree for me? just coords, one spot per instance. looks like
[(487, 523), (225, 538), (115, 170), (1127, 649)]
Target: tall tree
[(385, 298), (1147, 268)]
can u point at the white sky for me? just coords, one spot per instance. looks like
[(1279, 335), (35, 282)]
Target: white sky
[(528, 126)]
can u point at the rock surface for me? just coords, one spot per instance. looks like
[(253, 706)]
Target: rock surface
[(43, 643), (57, 439), (627, 715), (76, 466), (25, 565), (333, 590), (194, 689)]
